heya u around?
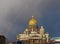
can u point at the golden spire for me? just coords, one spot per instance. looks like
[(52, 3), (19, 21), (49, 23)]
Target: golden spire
[(33, 21), (32, 16)]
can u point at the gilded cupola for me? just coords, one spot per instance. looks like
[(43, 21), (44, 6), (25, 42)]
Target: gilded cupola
[(32, 21)]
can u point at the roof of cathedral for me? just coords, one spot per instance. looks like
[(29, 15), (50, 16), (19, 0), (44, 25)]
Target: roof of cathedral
[(32, 21)]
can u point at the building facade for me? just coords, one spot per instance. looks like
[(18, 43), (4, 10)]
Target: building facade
[(3, 39), (34, 35)]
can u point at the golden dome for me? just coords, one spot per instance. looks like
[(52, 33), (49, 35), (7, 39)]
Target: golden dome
[(33, 21)]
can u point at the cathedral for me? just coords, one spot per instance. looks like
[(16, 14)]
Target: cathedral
[(33, 34)]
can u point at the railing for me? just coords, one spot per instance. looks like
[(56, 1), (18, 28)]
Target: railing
[(56, 41), (35, 38)]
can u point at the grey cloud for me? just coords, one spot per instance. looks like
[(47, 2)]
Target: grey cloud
[(14, 15)]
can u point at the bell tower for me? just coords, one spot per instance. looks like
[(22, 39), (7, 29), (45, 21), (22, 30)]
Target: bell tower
[(41, 30)]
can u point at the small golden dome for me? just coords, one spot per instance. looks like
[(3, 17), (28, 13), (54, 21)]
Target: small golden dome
[(33, 21)]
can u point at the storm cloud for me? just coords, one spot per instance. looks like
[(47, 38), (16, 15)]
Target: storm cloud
[(15, 14)]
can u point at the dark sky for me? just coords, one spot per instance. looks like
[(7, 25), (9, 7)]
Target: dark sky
[(15, 14)]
